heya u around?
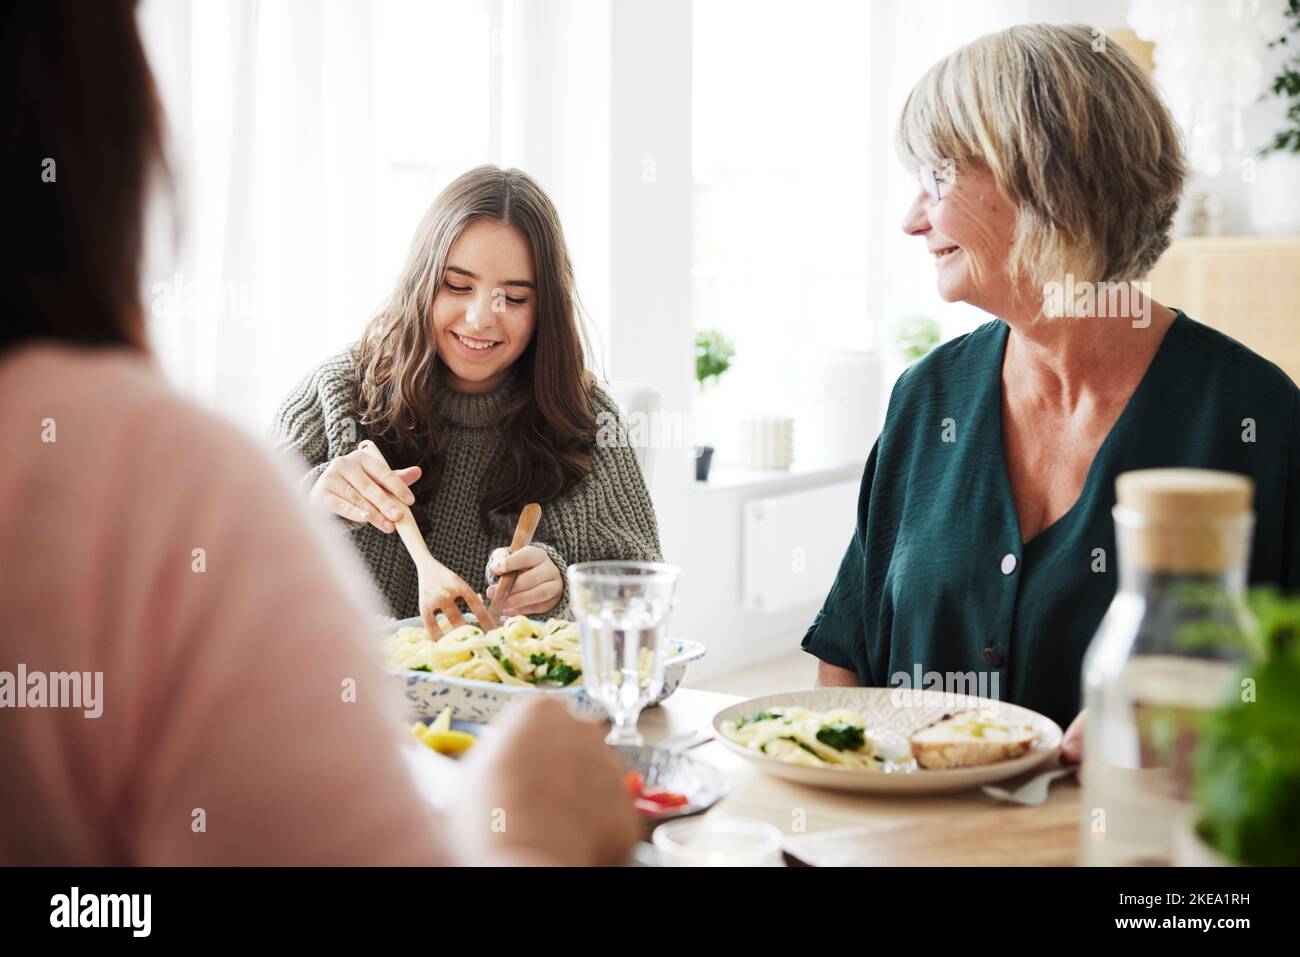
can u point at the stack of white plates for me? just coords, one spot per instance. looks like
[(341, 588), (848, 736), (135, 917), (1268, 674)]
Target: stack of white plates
[(767, 441)]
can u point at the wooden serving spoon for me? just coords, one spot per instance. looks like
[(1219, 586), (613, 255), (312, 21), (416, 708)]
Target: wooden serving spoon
[(524, 531), (425, 564)]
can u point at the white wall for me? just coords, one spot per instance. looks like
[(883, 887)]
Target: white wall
[(599, 111), (555, 125), (650, 338)]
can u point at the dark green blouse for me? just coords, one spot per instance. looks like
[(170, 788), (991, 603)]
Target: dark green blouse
[(936, 578)]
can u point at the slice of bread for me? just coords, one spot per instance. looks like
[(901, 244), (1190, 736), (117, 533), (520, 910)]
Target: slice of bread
[(970, 738)]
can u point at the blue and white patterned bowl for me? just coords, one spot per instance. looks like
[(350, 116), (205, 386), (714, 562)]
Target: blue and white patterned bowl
[(427, 693)]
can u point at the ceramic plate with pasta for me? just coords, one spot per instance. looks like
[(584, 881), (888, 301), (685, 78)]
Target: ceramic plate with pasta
[(887, 739)]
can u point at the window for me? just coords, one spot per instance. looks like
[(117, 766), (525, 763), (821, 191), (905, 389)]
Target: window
[(311, 138), (780, 167), (434, 75)]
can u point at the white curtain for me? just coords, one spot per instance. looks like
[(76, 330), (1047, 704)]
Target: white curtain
[(269, 114)]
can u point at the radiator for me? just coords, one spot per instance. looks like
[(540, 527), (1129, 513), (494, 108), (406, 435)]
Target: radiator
[(792, 545)]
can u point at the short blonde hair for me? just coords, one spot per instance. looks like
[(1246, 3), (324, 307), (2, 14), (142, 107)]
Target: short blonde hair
[(1075, 136)]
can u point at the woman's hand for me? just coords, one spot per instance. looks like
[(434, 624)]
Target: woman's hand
[(1072, 743), (543, 785), (359, 486), (440, 588), (537, 589)]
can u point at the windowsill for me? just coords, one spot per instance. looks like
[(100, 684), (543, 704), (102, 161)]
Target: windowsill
[(728, 478)]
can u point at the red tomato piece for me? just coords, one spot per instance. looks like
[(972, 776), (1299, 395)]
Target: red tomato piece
[(648, 808), (666, 798), (634, 784)]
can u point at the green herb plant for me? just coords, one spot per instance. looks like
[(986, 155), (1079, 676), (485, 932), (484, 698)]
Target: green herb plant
[(1247, 762)]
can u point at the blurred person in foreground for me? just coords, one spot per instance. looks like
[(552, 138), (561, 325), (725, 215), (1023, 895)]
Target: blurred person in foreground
[(238, 688)]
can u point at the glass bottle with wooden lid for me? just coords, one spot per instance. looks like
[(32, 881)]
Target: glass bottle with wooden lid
[(1163, 655)]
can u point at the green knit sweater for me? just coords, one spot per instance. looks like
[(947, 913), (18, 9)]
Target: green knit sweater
[(608, 515)]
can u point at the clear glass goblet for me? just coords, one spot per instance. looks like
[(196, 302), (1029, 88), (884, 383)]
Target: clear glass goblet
[(622, 609)]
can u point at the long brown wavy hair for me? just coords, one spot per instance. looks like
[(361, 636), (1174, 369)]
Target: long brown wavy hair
[(547, 428)]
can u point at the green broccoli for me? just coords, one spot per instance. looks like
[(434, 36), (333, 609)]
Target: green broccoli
[(842, 736), (557, 672), (761, 716), (506, 663)]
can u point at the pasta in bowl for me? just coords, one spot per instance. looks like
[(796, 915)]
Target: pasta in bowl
[(478, 672), (521, 652)]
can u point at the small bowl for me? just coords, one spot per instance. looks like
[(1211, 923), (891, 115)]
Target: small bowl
[(701, 783), (719, 842)]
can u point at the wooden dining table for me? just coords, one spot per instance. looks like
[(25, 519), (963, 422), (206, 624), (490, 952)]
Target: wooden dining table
[(961, 828)]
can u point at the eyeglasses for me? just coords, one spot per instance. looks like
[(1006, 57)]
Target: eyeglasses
[(933, 181)]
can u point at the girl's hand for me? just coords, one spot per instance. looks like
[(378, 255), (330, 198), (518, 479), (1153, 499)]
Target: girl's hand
[(440, 589), (537, 589), (358, 486)]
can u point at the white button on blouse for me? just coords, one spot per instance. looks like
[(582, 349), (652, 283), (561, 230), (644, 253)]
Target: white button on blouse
[(1008, 563)]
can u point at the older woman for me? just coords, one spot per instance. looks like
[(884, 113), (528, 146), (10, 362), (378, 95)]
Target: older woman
[(984, 541)]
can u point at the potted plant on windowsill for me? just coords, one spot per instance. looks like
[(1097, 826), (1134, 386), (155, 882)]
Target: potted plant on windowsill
[(1246, 795), (917, 335), (713, 355)]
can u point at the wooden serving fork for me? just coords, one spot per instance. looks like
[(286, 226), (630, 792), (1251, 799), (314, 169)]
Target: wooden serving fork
[(524, 531), (425, 563)]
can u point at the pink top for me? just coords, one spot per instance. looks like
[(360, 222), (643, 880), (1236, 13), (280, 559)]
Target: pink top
[(226, 734)]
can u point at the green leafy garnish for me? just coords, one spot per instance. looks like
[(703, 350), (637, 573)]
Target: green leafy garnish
[(806, 747), (761, 716), (506, 663), (557, 672), (421, 668), (842, 736)]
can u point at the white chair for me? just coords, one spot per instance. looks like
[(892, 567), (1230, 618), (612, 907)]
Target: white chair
[(638, 403)]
